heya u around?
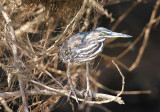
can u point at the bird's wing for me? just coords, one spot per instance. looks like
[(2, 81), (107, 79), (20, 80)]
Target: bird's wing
[(76, 40), (70, 47)]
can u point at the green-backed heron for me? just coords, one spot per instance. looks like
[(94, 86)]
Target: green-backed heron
[(84, 47)]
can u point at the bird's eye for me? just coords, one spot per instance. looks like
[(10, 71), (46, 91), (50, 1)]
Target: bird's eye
[(105, 32)]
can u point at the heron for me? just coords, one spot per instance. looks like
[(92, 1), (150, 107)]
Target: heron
[(84, 47)]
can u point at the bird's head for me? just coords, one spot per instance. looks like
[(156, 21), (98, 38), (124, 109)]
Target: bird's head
[(105, 33)]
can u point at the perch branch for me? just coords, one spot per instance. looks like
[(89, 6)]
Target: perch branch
[(104, 97), (51, 91)]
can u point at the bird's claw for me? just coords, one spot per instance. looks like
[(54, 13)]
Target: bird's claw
[(73, 90), (87, 94)]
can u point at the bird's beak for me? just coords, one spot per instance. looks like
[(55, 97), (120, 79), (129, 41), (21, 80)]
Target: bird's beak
[(116, 35)]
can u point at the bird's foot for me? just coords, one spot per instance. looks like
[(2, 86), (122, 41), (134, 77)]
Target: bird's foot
[(73, 90), (87, 94)]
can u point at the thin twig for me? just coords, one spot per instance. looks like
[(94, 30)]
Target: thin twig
[(15, 54), (146, 36), (143, 32), (116, 92), (75, 19), (102, 10), (123, 78), (3, 102), (23, 94), (28, 27), (121, 18), (86, 22)]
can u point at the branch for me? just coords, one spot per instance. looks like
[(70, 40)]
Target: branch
[(123, 78), (3, 102), (105, 98), (51, 91), (134, 65), (74, 20), (14, 50), (146, 36), (102, 10), (124, 15), (28, 27), (115, 91)]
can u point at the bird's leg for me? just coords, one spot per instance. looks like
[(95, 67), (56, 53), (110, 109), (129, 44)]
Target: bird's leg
[(73, 90), (88, 91)]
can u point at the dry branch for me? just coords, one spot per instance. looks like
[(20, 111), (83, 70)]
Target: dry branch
[(51, 91), (14, 50), (31, 51)]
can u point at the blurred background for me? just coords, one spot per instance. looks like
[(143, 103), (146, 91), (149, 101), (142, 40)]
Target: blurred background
[(42, 26)]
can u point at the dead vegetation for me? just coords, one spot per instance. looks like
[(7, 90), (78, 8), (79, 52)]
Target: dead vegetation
[(31, 33)]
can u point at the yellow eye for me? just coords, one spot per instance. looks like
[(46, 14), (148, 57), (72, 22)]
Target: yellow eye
[(103, 32)]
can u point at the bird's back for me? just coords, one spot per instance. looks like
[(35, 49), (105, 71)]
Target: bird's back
[(80, 48), (70, 47)]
